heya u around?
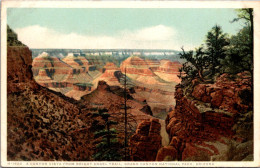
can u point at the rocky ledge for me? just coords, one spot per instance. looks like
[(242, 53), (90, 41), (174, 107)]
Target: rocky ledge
[(146, 141), (205, 124)]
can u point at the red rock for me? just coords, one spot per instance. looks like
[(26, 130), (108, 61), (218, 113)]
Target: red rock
[(228, 92), (199, 91), (206, 99), (77, 62), (109, 76), (110, 66), (187, 125), (32, 109), (171, 124), (136, 65), (194, 109), (49, 63), (167, 151), (169, 67), (102, 85), (146, 141), (190, 152), (216, 98), (19, 74)]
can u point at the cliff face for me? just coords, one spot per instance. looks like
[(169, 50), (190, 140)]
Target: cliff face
[(205, 124), (146, 141), (19, 73), (41, 124)]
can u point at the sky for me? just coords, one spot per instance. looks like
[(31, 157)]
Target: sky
[(114, 28)]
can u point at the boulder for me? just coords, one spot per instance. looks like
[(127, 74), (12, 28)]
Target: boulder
[(167, 153), (146, 142)]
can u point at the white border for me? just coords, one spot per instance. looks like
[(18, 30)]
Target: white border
[(129, 4)]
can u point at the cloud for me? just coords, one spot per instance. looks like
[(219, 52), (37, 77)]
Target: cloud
[(155, 33), (155, 37)]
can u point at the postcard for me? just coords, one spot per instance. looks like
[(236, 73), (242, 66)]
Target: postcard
[(130, 83)]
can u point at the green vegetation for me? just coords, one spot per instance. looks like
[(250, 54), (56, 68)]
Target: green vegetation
[(12, 38), (204, 63), (216, 43), (220, 53), (107, 146)]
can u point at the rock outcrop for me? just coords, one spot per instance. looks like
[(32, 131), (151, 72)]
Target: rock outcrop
[(169, 70), (201, 127), (138, 69), (79, 63), (169, 66), (79, 90), (19, 73), (43, 79), (136, 65), (109, 75), (52, 65), (145, 143), (42, 125), (53, 73), (225, 94), (112, 98)]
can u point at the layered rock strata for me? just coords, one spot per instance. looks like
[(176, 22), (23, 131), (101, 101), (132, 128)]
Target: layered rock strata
[(52, 65), (78, 63), (169, 71)]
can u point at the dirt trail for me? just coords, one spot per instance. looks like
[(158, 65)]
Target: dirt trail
[(164, 134)]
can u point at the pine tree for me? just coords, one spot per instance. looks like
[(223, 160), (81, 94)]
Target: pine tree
[(107, 146), (197, 63), (239, 53), (246, 35), (127, 118), (216, 43), (247, 15)]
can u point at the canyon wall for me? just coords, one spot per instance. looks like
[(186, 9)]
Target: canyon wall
[(205, 124), (41, 124), (19, 64)]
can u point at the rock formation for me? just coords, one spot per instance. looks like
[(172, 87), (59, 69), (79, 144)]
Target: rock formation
[(79, 90), (136, 65), (137, 69), (168, 71), (109, 75), (79, 63), (43, 79), (19, 74), (203, 126), (145, 143), (52, 65), (42, 125), (112, 98), (61, 76)]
